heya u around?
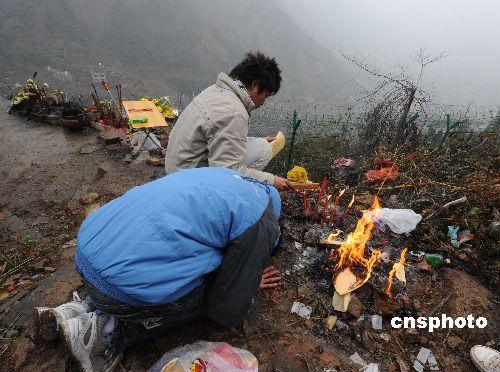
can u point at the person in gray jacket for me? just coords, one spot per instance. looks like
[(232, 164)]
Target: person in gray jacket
[(212, 130)]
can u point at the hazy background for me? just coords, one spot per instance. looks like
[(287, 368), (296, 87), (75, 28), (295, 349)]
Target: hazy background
[(172, 47), (390, 30)]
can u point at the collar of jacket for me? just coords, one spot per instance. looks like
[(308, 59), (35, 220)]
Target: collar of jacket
[(226, 82)]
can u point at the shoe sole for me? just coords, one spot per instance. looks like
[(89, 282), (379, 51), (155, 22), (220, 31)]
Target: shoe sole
[(476, 362), (46, 324)]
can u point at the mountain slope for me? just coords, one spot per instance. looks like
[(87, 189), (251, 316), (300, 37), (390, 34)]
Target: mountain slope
[(163, 46)]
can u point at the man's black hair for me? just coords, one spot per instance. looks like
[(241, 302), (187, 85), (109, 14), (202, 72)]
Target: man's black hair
[(257, 67)]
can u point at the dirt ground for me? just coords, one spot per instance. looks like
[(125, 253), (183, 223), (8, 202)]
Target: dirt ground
[(43, 177)]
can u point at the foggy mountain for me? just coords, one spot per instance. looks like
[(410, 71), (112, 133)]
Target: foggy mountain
[(162, 46)]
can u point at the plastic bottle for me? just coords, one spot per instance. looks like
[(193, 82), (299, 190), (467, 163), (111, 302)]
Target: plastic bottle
[(435, 260)]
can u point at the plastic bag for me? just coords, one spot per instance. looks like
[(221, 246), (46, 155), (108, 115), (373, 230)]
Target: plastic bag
[(206, 356), (400, 221)]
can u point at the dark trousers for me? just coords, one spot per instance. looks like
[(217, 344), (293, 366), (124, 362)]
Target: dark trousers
[(136, 324)]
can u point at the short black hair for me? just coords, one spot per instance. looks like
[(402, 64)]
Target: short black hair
[(257, 67)]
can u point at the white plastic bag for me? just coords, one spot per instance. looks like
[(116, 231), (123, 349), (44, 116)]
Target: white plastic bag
[(400, 221), (216, 356)]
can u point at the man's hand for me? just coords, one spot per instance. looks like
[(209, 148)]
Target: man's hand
[(270, 138), (282, 183), (270, 278)]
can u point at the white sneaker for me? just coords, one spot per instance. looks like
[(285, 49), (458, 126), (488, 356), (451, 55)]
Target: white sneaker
[(47, 320), (85, 338), (486, 359)]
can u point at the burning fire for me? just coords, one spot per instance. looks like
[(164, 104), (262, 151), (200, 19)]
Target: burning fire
[(352, 250), (397, 266)]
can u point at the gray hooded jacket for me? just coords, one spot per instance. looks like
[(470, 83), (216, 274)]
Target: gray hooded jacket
[(212, 131)]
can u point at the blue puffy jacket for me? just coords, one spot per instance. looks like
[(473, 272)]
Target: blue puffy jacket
[(155, 243)]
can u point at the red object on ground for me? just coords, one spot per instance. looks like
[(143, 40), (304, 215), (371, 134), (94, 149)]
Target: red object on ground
[(386, 170)]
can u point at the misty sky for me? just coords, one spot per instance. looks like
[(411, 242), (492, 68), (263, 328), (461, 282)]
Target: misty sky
[(388, 30)]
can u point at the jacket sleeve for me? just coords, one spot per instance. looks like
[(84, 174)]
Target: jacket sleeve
[(227, 139)]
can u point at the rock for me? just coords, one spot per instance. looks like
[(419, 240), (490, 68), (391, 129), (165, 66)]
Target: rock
[(104, 167), (368, 342), (392, 367), (140, 159), (91, 208), (454, 341), (89, 198), (341, 325), (330, 322), (385, 307), (156, 161), (112, 135), (50, 269), (494, 230), (355, 307), (89, 148)]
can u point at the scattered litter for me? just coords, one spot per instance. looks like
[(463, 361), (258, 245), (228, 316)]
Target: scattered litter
[(435, 260), (400, 221), (341, 303), (356, 359), (297, 245), (463, 237), (148, 142), (385, 336), (342, 163), (306, 258), (330, 322), (220, 356), (372, 367), (377, 322), (387, 170), (425, 356), (70, 244), (453, 234), (301, 310)]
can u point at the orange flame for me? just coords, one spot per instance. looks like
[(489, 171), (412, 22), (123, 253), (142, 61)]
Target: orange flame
[(352, 250), (401, 262)]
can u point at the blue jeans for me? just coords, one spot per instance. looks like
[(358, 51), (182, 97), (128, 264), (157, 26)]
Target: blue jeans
[(137, 324)]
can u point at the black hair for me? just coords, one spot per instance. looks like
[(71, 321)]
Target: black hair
[(257, 67)]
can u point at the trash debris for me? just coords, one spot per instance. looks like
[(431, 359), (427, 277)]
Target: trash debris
[(386, 170), (341, 302), (376, 322), (141, 140), (206, 356), (446, 206), (424, 357), (452, 234), (297, 174), (330, 322), (372, 367), (301, 310), (400, 221), (435, 260), (342, 163), (463, 237), (357, 359)]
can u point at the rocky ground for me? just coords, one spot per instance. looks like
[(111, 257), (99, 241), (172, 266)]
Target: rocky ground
[(51, 177)]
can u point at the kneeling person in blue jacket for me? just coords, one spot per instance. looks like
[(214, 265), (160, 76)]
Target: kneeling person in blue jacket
[(193, 244)]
